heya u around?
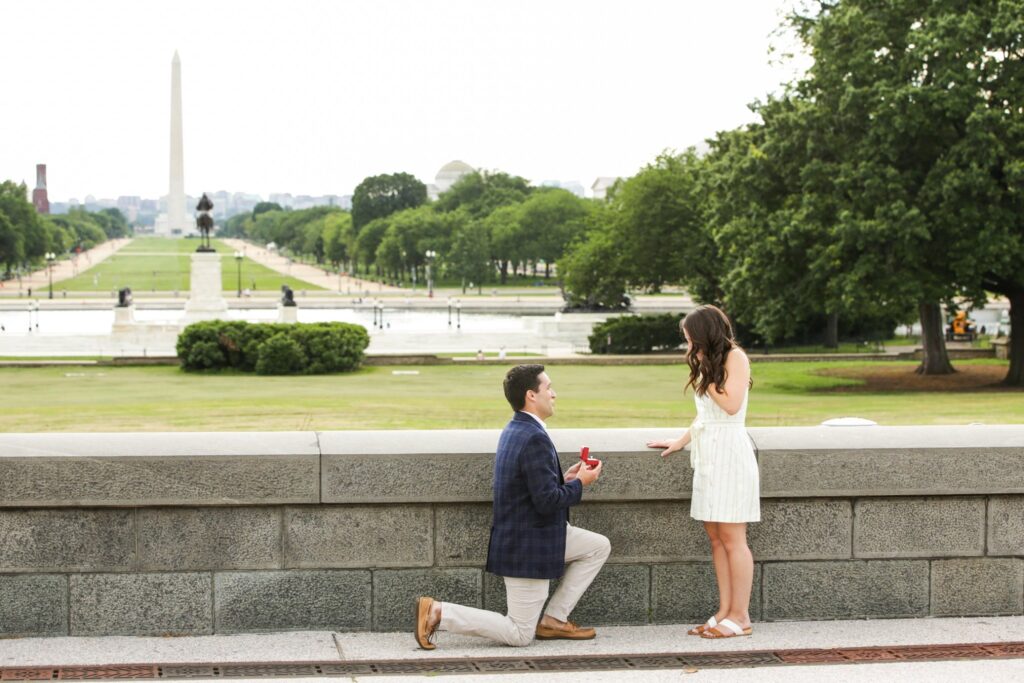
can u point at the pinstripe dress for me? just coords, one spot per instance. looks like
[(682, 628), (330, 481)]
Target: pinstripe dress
[(726, 483)]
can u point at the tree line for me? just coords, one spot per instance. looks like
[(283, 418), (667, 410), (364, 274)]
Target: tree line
[(26, 236), (485, 228)]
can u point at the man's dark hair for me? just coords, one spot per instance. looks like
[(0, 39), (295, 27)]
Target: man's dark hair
[(518, 381)]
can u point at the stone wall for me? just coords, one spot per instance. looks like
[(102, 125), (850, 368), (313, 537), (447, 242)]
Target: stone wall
[(186, 533)]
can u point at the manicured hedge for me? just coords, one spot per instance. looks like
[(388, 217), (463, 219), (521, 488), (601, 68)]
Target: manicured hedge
[(272, 348), (636, 334)]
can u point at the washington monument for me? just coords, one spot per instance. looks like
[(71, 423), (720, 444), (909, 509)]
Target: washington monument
[(176, 220)]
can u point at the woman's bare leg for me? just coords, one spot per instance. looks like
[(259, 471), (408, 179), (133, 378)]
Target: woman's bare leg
[(740, 569), (720, 560)]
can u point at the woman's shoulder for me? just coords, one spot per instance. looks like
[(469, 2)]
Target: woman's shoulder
[(736, 357)]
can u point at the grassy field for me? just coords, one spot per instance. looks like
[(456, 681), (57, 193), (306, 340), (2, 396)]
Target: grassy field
[(164, 398), (163, 265)]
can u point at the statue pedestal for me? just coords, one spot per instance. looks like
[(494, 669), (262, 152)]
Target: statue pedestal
[(206, 299), (124, 318), (287, 314)]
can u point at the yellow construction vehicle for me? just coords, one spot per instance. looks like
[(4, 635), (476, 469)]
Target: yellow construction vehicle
[(961, 328)]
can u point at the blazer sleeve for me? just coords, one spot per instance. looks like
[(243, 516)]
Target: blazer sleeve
[(540, 467)]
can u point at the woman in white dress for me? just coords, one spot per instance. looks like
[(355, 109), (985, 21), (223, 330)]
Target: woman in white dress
[(726, 487)]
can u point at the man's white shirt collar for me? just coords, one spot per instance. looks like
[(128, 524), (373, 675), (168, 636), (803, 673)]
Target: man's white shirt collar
[(536, 418)]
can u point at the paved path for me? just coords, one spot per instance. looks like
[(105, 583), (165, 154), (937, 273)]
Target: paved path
[(65, 269), (311, 274), (796, 642)]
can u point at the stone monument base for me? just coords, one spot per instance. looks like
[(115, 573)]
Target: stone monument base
[(124, 318), (287, 314), (206, 300)]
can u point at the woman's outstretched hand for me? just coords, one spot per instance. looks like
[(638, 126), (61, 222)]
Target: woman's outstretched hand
[(669, 447)]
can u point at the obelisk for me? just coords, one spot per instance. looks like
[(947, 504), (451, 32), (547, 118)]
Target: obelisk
[(176, 219)]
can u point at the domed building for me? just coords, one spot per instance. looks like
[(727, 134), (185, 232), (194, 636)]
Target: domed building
[(447, 177)]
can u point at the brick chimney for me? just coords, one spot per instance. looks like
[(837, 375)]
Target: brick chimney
[(39, 197)]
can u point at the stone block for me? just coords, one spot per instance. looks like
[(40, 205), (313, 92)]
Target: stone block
[(395, 592), (619, 595), (845, 590), (404, 478), (1006, 525), (463, 534), (293, 600), (919, 527), (687, 593), (141, 604), (33, 605), (66, 540), (188, 539), (181, 468), (977, 586), (359, 536), (653, 531), (798, 462), (803, 529)]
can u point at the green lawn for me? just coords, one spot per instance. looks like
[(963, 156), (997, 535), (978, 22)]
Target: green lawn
[(164, 265), (453, 397)]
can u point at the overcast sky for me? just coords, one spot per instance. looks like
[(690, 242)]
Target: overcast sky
[(311, 97)]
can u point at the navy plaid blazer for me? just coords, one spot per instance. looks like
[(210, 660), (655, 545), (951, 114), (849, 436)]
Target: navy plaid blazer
[(531, 504)]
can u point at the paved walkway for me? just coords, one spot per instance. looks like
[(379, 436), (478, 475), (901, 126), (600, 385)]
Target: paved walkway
[(311, 274), (65, 269), (368, 656)]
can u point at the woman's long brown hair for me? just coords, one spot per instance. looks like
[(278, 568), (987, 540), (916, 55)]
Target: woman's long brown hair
[(711, 334)]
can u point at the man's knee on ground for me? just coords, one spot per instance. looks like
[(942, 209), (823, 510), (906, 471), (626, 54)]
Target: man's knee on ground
[(521, 636)]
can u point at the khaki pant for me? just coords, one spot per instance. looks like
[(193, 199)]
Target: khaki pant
[(585, 554)]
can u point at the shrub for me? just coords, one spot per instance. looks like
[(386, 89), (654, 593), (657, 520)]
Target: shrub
[(280, 355), (198, 348), (205, 355), (636, 334), (312, 348)]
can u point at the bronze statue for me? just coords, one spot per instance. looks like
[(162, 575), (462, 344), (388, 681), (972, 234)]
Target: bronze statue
[(287, 296), (204, 222), (124, 297)]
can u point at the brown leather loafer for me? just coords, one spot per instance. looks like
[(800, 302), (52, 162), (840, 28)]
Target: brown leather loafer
[(566, 631), (424, 633)]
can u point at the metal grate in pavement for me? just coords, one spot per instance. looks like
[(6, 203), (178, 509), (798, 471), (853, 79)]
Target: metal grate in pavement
[(428, 666)]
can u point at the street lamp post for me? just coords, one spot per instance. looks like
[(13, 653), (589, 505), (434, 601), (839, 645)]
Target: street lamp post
[(449, 311), (458, 315), (238, 260), (50, 258), (431, 255)]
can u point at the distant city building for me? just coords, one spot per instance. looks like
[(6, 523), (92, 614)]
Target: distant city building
[(39, 197), (447, 176), (601, 186), (129, 207)]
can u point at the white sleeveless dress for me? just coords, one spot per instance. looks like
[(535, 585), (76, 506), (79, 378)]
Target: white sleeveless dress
[(726, 482)]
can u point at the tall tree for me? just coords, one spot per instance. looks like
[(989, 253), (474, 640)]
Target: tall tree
[(549, 220), (470, 254), (382, 195), (481, 192), (906, 88), (658, 216)]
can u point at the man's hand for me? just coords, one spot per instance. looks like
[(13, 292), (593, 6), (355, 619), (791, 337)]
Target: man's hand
[(588, 475), (572, 472)]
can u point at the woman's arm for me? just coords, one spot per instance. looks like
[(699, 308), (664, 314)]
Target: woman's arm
[(671, 447), (737, 368)]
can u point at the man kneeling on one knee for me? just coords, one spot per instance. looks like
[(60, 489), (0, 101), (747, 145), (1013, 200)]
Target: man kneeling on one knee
[(532, 541)]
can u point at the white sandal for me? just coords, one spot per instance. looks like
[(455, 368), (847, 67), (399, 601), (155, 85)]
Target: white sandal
[(719, 631), (707, 626)]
